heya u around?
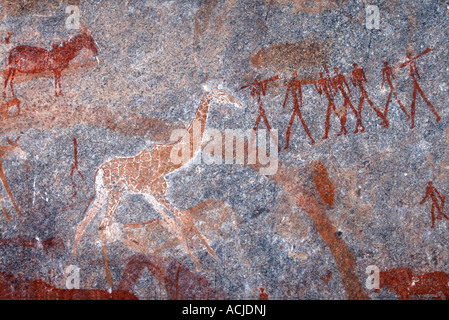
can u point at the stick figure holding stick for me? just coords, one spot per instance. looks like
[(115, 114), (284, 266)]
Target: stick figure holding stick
[(358, 78), (411, 62), (294, 85), (325, 85), (259, 88), (339, 82), (438, 202)]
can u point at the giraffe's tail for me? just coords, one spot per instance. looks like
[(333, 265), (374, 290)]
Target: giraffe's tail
[(94, 206)]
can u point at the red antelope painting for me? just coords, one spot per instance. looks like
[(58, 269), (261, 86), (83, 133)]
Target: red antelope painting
[(27, 59)]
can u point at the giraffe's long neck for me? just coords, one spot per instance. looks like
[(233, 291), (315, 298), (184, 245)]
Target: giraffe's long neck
[(196, 129), (194, 135)]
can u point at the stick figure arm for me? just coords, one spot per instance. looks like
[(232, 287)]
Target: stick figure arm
[(253, 91), (426, 197), (263, 88), (364, 76), (417, 73), (299, 90), (259, 100), (318, 89), (333, 87), (353, 81), (347, 87), (442, 202), (439, 195)]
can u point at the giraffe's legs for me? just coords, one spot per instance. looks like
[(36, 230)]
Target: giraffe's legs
[(188, 222), (192, 226), (92, 210), (176, 224), (178, 214), (104, 228), (161, 207)]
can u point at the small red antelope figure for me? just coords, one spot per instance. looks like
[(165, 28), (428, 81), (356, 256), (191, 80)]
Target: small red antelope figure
[(27, 59), (4, 108)]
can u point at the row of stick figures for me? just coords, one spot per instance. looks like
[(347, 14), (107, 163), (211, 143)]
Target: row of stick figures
[(330, 86)]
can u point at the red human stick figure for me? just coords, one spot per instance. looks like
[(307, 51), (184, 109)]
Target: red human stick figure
[(326, 86), (416, 88), (258, 88), (388, 76), (294, 85), (75, 168), (339, 82), (358, 78), (438, 202)]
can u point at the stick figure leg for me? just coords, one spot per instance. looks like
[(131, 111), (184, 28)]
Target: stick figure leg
[(265, 120), (401, 105), (432, 210), (253, 134), (290, 124), (386, 104), (343, 122), (432, 108), (327, 125), (298, 112), (413, 106), (359, 115), (379, 114)]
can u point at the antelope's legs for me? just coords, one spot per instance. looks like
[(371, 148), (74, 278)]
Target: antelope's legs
[(11, 83), (6, 82)]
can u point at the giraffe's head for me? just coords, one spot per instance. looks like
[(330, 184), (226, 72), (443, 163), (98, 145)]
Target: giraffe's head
[(220, 95)]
